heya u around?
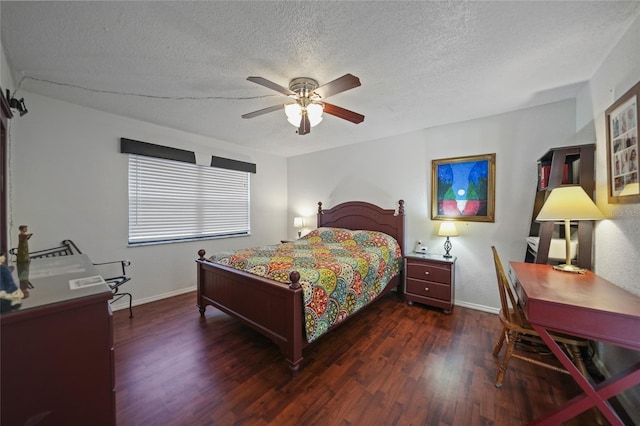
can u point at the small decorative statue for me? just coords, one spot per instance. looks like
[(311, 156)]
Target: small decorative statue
[(23, 260), (23, 244), (10, 295)]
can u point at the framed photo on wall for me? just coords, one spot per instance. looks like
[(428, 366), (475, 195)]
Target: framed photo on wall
[(622, 148), (463, 188)]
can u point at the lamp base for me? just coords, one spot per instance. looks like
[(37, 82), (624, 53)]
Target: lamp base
[(447, 248), (569, 268)]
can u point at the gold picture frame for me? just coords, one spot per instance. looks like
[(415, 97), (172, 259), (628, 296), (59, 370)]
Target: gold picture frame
[(463, 188), (622, 148)]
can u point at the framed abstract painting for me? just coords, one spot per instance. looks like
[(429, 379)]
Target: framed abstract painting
[(463, 188)]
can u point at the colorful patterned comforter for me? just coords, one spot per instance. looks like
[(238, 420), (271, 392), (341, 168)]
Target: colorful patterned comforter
[(341, 270)]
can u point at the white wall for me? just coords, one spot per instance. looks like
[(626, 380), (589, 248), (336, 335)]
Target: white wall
[(6, 81), (617, 240), (69, 181), (399, 167)]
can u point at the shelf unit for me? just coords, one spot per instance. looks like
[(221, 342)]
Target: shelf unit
[(565, 165)]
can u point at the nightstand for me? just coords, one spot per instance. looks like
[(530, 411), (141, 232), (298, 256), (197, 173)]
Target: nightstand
[(430, 280)]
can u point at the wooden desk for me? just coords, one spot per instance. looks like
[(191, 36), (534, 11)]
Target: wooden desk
[(57, 349), (584, 305)]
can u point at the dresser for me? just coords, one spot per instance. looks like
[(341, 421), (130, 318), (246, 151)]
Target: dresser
[(430, 280), (57, 364)]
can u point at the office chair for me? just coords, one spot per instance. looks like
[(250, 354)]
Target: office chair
[(68, 248)]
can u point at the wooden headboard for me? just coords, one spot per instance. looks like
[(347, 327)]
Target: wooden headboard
[(357, 215)]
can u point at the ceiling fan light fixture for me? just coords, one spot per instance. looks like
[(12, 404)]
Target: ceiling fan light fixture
[(294, 113), (307, 101), (314, 111)]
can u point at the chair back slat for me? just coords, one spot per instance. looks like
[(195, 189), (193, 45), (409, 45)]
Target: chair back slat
[(506, 295), (74, 248)]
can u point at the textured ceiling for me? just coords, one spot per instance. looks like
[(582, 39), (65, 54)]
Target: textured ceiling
[(422, 64)]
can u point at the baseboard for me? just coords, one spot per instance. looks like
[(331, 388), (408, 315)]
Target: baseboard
[(136, 302), (477, 307)]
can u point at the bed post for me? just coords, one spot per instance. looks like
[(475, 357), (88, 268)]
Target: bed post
[(201, 306), (294, 277), (400, 236), (293, 350), (401, 239)]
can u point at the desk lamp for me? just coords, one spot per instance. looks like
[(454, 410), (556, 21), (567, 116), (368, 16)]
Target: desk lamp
[(567, 203), (447, 229), (298, 222)]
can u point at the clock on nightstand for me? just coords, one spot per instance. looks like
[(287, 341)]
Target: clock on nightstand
[(430, 280)]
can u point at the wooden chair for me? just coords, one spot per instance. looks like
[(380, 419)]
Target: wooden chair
[(516, 329), (68, 248)]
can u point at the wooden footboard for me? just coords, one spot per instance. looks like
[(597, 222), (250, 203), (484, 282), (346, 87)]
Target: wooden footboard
[(273, 309)]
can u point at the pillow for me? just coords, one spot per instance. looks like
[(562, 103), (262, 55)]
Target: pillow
[(340, 235)]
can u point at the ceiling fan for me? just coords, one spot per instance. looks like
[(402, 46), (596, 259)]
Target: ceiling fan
[(307, 106)]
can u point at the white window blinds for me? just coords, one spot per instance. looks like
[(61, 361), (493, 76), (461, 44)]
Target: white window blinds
[(175, 201)]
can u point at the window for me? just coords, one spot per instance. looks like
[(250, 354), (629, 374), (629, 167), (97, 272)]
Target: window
[(177, 201)]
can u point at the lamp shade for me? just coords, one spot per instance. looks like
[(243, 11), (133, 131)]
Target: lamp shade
[(569, 202), (314, 111), (294, 113), (447, 229), (298, 222)]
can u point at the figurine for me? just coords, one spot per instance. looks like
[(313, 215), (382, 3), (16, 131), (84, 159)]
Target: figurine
[(23, 244), (10, 295), (23, 261)]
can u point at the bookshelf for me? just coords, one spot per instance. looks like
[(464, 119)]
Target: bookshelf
[(558, 166)]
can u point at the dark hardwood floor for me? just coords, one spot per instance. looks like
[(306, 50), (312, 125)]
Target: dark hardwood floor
[(392, 364)]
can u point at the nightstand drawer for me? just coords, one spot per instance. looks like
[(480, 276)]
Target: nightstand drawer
[(429, 271), (429, 289)]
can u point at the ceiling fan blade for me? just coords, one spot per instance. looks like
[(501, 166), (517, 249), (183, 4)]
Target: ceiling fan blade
[(343, 113), (271, 85), (346, 82), (305, 124), (263, 111)]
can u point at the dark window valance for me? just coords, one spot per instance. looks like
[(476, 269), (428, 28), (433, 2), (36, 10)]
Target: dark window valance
[(130, 146), (227, 163)]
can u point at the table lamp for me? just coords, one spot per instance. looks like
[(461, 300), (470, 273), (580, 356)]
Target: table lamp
[(447, 229), (567, 203), (298, 222)]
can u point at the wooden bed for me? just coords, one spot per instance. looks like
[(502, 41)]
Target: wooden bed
[(275, 309)]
